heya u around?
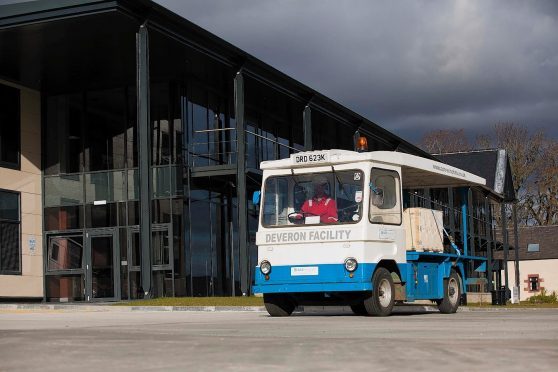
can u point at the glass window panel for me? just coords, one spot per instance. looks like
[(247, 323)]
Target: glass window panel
[(106, 215), (106, 125), (162, 283), (385, 203), (160, 247), (9, 126), (313, 198), (64, 137), (161, 211), (135, 249), (133, 184), (63, 190), (131, 129), (533, 247), (10, 253), (167, 181), (65, 253), (133, 213), (9, 206), (106, 186), (102, 266), (63, 218), (200, 243), (200, 137), (64, 288), (136, 291)]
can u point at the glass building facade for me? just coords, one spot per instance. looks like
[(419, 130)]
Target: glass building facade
[(153, 130)]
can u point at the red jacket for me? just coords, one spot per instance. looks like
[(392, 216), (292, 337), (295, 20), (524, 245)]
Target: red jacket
[(323, 207)]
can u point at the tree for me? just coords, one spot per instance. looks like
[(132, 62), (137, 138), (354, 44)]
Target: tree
[(445, 140), (533, 160)]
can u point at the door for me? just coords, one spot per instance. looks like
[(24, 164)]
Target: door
[(102, 266)]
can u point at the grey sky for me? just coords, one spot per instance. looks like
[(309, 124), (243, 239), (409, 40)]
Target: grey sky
[(407, 65)]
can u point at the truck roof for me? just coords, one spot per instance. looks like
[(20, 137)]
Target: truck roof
[(416, 171)]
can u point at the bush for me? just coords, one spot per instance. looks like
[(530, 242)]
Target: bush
[(544, 298)]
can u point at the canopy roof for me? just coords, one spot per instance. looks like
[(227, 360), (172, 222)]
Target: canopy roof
[(417, 172), (493, 165)]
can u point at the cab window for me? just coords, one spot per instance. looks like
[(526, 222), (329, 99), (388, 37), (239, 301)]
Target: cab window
[(385, 197)]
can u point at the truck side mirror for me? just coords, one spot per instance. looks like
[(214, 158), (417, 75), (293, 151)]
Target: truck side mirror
[(256, 197)]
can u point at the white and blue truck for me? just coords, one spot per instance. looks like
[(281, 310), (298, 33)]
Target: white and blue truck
[(373, 253)]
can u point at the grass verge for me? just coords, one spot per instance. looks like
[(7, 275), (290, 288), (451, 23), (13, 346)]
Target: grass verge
[(196, 301), (523, 305)]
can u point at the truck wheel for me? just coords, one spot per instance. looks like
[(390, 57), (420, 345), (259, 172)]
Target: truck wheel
[(452, 294), (278, 305), (383, 294), (359, 309)]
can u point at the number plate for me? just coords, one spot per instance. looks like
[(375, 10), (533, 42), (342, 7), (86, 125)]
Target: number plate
[(314, 157), (306, 270)]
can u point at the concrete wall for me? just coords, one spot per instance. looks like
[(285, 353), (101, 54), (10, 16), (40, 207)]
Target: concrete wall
[(28, 182), (546, 269)]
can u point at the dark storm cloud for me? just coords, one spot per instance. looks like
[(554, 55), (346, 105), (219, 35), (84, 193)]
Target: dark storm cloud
[(407, 65)]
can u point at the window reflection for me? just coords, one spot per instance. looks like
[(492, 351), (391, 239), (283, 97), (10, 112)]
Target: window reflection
[(65, 253)]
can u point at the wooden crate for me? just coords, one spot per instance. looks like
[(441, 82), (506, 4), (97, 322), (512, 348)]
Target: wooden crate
[(423, 229)]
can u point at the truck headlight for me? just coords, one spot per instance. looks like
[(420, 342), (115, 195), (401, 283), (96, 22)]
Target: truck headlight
[(351, 264), (265, 267)]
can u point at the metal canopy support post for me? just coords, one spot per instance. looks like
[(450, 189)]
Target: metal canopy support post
[(488, 225), (241, 183), (307, 124), (505, 238), (472, 245), (142, 50), (464, 197), (452, 213), (516, 244)]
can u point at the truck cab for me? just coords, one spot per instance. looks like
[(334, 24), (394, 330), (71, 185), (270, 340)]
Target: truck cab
[(333, 231)]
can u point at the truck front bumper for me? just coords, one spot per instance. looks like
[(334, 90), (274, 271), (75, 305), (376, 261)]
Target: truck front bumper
[(314, 278)]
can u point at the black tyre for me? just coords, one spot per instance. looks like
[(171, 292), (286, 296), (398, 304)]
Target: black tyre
[(383, 294), (452, 294), (278, 305), (359, 309)]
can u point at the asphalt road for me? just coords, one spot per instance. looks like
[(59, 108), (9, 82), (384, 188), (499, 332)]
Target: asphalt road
[(237, 341)]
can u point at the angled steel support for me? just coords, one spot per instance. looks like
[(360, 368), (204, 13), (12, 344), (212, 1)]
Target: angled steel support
[(307, 128), (144, 150), (241, 184)]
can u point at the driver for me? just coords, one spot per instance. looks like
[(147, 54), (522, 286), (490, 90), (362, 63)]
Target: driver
[(320, 204)]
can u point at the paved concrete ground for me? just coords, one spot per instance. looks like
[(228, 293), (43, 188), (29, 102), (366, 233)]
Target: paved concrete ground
[(52, 340)]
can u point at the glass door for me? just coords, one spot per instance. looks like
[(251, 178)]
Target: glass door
[(102, 265), (65, 268)]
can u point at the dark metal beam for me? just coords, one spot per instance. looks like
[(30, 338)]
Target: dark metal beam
[(144, 150), (464, 210), (307, 125), (241, 183), (471, 210), (489, 247), (516, 246), (504, 224), (452, 212)]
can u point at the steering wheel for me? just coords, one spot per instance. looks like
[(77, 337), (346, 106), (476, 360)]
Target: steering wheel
[(292, 216)]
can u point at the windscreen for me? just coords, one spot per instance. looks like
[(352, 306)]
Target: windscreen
[(313, 199)]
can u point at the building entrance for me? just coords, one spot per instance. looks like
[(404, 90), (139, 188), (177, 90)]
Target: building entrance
[(101, 263), (83, 268)]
